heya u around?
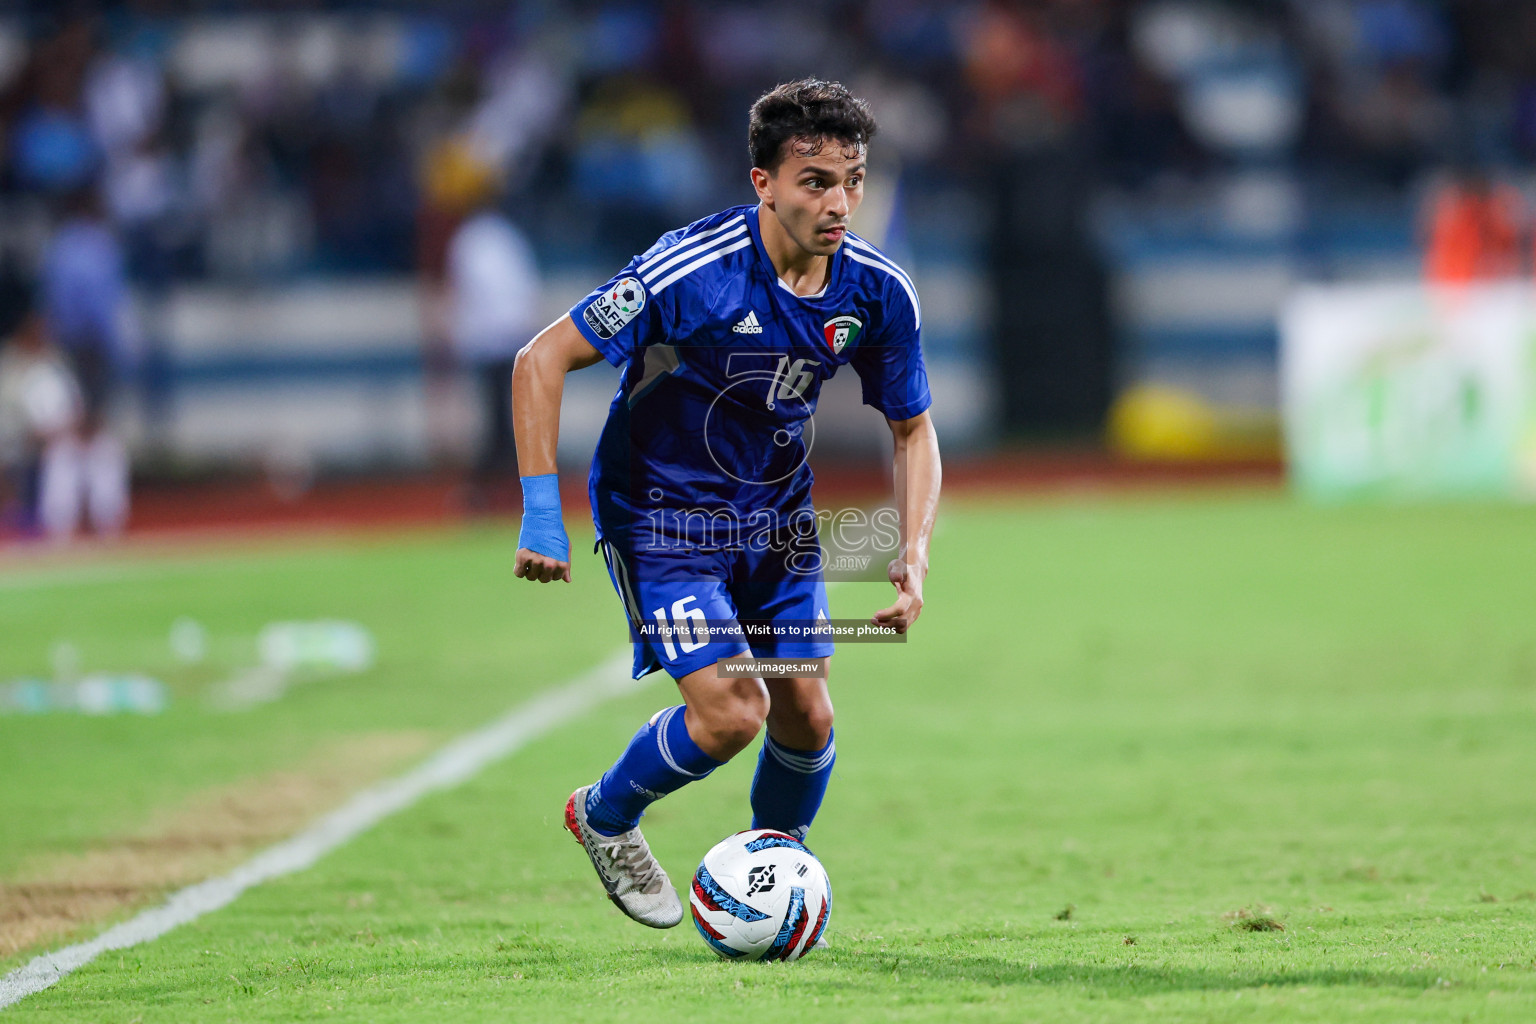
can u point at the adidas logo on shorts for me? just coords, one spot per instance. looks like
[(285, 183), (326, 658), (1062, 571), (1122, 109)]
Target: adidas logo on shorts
[(749, 324)]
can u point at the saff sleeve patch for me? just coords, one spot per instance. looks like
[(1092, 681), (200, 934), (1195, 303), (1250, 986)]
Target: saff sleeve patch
[(609, 312)]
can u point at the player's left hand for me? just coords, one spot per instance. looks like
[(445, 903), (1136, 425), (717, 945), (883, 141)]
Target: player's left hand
[(908, 582)]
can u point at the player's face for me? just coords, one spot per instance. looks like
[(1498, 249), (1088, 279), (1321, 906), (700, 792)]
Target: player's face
[(814, 191)]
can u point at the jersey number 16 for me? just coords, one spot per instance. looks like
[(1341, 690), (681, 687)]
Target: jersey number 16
[(790, 379)]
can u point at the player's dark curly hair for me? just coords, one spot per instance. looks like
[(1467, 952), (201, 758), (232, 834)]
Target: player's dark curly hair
[(809, 109)]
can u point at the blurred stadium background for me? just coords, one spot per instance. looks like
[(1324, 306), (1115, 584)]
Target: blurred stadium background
[(237, 220), (1150, 750)]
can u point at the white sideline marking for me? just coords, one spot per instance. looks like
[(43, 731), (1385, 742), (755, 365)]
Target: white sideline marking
[(455, 763)]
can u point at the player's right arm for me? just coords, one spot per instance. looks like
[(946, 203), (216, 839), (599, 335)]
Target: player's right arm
[(538, 384), (613, 322)]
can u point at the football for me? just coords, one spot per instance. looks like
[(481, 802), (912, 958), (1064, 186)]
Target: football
[(761, 895)]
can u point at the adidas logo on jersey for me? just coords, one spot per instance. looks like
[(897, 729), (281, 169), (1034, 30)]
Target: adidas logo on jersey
[(749, 324)]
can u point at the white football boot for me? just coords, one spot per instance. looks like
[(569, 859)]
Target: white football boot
[(635, 882)]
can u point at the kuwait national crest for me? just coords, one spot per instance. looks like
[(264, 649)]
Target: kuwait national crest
[(840, 330)]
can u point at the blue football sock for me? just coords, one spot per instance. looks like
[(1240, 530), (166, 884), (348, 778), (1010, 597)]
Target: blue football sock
[(789, 785), (661, 758)]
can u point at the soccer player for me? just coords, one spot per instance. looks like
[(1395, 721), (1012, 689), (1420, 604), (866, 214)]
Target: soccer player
[(725, 331)]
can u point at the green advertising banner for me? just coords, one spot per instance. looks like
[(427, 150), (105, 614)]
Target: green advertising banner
[(1405, 391)]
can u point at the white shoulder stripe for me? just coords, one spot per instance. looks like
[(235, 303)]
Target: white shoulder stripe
[(901, 279), (690, 240), (890, 265), (686, 269), (859, 243), (686, 252)]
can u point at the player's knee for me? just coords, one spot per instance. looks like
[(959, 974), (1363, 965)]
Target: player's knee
[(817, 721), (736, 732), (734, 723), (805, 722)]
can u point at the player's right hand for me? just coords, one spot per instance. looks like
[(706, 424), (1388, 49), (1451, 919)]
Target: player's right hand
[(531, 565), (543, 549)]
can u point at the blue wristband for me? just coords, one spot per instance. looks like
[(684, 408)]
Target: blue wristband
[(543, 531)]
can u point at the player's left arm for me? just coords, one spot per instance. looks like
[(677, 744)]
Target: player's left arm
[(918, 476)]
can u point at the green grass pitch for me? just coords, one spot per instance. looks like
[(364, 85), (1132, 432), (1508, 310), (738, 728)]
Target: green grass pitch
[(1216, 757)]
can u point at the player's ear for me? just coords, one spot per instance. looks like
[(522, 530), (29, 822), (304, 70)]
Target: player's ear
[(762, 181)]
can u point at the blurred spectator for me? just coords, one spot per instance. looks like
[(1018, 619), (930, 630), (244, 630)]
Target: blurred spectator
[(84, 295), (1026, 80), (1397, 122), (40, 410), (83, 292), (639, 160), (50, 139), (493, 294), (1474, 227), (124, 98)]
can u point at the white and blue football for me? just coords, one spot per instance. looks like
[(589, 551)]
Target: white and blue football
[(761, 895)]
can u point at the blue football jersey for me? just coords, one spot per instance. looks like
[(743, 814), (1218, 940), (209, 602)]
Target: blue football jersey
[(722, 367)]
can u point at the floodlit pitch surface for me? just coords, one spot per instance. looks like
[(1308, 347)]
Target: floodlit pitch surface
[(1218, 757)]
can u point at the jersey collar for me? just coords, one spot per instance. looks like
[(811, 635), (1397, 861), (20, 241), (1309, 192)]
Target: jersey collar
[(834, 271)]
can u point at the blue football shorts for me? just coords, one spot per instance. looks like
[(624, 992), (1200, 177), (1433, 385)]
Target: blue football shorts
[(684, 588)]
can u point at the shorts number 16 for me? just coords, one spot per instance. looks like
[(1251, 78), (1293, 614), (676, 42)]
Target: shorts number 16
[(687, 623)]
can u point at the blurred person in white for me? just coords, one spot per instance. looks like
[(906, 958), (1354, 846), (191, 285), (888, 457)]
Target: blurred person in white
[(493, 296), (84, 300), (40, 411)]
